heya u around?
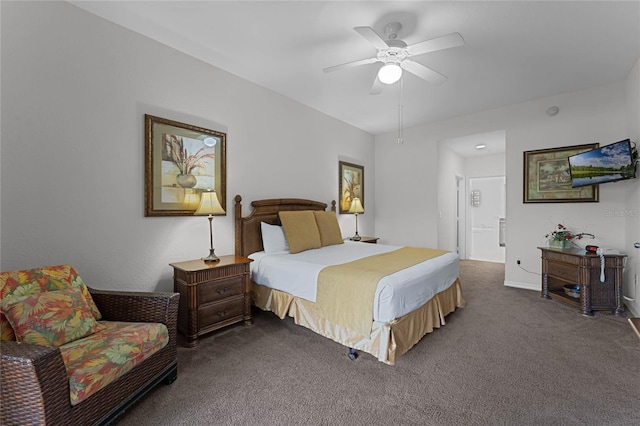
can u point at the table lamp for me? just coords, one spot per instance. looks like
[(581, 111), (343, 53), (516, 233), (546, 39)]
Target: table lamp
[(356, 207), (209, 205)]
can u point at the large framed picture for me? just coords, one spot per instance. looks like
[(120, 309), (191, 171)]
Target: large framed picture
[(547, 178), (181, 162), (351, 178)]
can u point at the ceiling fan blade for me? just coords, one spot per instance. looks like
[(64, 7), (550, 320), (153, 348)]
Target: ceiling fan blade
[(423, 72), (440, 43), (376, 89), (350, 64), (372, 37)]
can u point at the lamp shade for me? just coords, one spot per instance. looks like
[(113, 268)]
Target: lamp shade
[(209, 204), (356, 206), (390, 73)]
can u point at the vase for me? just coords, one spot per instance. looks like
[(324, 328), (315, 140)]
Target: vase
[(186, 181), (561, 244)]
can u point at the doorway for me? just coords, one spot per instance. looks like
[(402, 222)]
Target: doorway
[(487, 218), (474, 156), (461, 215)]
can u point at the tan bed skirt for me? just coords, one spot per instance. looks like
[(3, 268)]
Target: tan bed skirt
[(387, 340)]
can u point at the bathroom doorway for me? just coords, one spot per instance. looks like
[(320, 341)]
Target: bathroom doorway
[(487, 218)]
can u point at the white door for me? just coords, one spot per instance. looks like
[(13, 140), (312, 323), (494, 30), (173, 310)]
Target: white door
[(487, 213)]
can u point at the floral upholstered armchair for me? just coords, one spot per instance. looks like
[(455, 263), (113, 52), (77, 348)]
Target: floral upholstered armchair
[(72, 355)]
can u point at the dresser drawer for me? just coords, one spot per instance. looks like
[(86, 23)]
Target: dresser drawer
[(219, 289), (564, 272), (220, 311)]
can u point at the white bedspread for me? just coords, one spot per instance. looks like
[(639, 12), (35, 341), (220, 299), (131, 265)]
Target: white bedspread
[(397, 294)]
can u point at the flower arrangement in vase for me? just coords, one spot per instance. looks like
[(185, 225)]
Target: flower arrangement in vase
[(561, 236), (185, 161)]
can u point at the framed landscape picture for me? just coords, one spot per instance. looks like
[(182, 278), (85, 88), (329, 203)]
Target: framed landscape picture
[(181, 162), (351, 178), (547, 178)]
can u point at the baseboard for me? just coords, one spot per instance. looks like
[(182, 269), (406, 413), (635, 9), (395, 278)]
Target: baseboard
[(526, 286)]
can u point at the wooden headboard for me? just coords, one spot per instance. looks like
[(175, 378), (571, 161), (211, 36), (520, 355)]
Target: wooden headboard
[(248, 234)]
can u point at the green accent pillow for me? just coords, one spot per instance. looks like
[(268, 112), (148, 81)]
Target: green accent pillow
[(301, 230), (50, 318), (328, 228)]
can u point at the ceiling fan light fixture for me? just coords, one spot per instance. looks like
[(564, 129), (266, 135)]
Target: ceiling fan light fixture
[(389, 73)]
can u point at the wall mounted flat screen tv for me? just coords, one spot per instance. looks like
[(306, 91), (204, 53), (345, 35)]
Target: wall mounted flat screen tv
[(608, 163)]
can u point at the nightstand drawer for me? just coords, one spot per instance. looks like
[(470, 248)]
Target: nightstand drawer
[(564, 272), (220, 311), (220, 289)]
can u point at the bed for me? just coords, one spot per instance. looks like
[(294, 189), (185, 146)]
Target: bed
[(389, 317)]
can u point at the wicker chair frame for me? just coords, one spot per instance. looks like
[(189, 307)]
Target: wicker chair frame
[(34, 383)]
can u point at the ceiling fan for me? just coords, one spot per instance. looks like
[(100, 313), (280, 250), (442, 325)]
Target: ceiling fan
[(395, 55)]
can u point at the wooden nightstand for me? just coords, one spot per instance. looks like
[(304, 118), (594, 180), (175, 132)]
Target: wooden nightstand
[(370, 240), (212, 295), (575, 266)]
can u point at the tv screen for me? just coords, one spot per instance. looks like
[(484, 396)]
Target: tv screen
[(608, 163)]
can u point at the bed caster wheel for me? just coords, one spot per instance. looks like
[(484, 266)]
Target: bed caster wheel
[(352, 354)]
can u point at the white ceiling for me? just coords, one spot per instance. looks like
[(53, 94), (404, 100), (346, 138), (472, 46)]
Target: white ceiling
[(514, 50), (494, 143)]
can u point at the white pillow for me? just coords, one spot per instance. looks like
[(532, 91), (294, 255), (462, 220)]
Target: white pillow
[(273, 239)]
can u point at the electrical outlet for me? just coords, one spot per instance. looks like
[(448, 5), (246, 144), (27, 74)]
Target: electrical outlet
[(518, 260)]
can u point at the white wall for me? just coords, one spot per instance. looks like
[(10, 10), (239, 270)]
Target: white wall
[(594, 115), (632, 208), (75, 91), (485, 165), (405, 174), (451, 166)]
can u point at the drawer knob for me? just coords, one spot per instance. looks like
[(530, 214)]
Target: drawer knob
[(222, 290), (222, 314)]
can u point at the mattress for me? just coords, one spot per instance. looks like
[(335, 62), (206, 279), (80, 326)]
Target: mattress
[(396, 294)]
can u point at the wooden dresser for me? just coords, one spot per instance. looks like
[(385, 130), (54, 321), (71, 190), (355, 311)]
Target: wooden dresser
[(574, 266), (212, 295)]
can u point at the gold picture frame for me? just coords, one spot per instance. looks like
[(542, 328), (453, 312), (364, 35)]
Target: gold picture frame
[(351, 178), (181, 162), (547, 178)]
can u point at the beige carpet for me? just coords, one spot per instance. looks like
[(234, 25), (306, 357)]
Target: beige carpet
[(508, 358)]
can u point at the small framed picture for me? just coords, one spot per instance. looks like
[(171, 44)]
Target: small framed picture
[(351, 178)]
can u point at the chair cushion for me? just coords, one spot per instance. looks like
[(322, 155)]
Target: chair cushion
[(50, 318), (100, 358), (37, 280)]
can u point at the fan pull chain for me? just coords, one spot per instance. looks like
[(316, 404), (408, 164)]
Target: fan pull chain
[(400, 113)]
